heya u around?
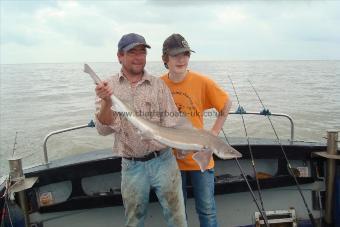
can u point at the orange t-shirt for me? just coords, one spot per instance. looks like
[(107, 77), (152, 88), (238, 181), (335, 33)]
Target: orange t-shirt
[(195, 94)]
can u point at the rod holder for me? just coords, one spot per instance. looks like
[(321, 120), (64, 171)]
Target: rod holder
[(15, 169), (16, 177), (332, 147)]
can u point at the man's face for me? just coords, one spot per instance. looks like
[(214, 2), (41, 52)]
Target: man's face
[(133, 61), (178, 64)]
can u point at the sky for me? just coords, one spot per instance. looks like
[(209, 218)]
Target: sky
[(47, 31)]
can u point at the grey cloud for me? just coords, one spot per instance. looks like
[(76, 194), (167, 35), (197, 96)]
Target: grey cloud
[(268, 30), (26, 7), (186, 3), (139, 11)]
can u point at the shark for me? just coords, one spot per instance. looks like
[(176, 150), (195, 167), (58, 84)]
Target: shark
[(185, 138)]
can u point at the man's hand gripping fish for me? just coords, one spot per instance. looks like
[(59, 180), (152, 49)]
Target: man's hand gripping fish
[(185, 139)]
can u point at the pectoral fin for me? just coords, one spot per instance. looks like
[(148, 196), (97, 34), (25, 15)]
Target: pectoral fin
[(202, 158), (145, 135), (184, 123), (180, 154), (114, 108)]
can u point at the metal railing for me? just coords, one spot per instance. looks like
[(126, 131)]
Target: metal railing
[(90, 124), (275, 115)]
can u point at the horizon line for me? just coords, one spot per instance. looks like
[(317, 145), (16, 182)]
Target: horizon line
[(81, 62)]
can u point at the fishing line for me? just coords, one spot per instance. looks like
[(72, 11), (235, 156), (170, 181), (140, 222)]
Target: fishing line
[(5, 205), (9, 213), (249, 147), (225, 136), (286, 158), (15, 143), (249, 187)]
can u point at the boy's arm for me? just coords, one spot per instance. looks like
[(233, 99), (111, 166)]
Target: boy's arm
[(222, 116)]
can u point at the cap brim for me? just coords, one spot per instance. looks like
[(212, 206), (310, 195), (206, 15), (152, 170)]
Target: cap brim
[(132, 45), (179, 51)]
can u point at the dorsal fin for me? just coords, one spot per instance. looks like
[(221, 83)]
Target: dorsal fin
[(184, 123)]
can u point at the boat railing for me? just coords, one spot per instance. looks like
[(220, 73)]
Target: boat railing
[(90, 125), (239, 111), (266, 112)]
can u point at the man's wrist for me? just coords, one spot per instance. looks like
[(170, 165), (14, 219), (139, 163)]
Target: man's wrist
[(107, 102)]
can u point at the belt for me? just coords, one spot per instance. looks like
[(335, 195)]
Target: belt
[(147, 157)]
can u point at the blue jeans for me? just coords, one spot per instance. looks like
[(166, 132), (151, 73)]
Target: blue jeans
[(162, 175), (203, 188)]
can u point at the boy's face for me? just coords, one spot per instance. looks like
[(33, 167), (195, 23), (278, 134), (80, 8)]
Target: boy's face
[(178, 64)]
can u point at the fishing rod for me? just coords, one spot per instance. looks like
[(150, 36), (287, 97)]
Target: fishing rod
[(262, 211), (15, 143), (286, 158), (249, 147), (249, 187)]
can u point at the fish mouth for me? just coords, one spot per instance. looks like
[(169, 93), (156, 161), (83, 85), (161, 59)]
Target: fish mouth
[(230, 153), (229, 156)]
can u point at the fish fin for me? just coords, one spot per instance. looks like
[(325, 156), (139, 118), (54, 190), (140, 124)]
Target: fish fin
[(145, 135), (115, 108), (184, 123), (180, 154), (202, 158)]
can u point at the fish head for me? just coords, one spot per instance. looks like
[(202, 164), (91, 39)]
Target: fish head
[(225, 151)]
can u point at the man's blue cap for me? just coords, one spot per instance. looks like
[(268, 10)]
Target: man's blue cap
[(129, 41)]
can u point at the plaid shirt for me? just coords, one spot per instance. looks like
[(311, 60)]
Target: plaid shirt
[(151, 100)]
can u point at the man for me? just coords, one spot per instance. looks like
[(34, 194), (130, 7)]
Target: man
[(145, 164), (193, 94)]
